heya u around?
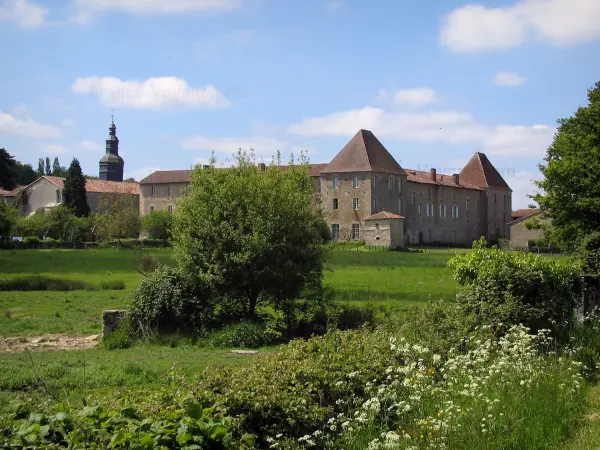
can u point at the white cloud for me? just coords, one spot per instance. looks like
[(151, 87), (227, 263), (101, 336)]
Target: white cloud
[(54, 149), (91, 147), (156, 7), (444, 126), (11, 126), (153, 93), (509, 79), (474, 28), (67, 123), (229, 145), (521, 183), (415, 97), (23, 12)]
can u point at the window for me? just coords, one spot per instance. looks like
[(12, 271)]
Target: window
[(400, 205), (335, 203), (455, 211), (355, 182), (466, 204), (477, 205), (336, 182), (169, 190), (355, 231), (442, 211), (335, 231), (151, 209), (374, 181), (58, 196), (390, 182), (429, 235), (429, 209), (355, 204), (399, 185), (170, 209), (375, 203), (414, 198), (419, 208), (441, 193), (494, 199), (152, 191)]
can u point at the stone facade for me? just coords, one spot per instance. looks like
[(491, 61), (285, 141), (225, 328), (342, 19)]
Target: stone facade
[(160, 197), (384, 229)]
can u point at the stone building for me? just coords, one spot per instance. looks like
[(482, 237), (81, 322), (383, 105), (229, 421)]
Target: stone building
[(364, 179), (520, 236)]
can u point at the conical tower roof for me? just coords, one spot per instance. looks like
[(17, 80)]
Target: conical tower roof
[(480, 172)]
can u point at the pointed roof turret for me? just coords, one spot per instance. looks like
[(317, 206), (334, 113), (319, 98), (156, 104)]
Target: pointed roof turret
[(480, 172), (364, 153)]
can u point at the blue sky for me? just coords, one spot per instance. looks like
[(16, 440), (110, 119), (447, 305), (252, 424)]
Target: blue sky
[(434, 80)]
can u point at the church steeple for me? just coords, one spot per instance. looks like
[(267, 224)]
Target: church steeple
[(111, 164)]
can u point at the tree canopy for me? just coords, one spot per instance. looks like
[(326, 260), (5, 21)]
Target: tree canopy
[(74, 193), (251, 234), (571, 185), (13, 173)]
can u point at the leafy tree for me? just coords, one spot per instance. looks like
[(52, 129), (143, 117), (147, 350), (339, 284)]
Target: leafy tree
[(40, 169), (56, 167), (31, 226), (61, 223), (48, 168), (571, 185), (157, 224), (118, 217), (7, 170), (8, 218), (25, 174), (74, 193), (130, 180), (253, 235)]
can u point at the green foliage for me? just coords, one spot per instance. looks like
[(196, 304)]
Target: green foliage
[(13, 173), (251, 234), (44, 283), (9, 217), (147, 264), (157, 225), (571, 184), (118, 218), (123, 337), (74, 193), (589, 253), (244, 335), (169, 300), (498, 287)]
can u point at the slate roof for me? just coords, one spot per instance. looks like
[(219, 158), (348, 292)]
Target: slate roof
[(185, 176), (480, 172), (364, 153), (418, 176), (100, 186), (382, 215)]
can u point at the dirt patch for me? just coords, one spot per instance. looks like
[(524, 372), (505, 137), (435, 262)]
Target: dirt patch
[(48, 342)]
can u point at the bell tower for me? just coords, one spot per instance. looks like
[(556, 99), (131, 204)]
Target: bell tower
[(111, 164)]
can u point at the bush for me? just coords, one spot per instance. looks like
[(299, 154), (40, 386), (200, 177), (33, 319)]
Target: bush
[(168, 300), (497, 287), (147, 264), (41, 283), (122, 337), (112, 285), (589, 253), (244, 335)]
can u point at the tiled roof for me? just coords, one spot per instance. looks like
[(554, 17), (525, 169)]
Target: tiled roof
[(13, 193), (185, 176), (101, 187), (480, 172), (524, 212), (364, 153), (381, 215), (418, 176)]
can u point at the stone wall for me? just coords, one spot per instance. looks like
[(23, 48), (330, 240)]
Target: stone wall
[(386, 232), (520, 235), (160, 200)]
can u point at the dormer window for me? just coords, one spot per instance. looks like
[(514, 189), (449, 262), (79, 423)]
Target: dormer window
[(336, 182)]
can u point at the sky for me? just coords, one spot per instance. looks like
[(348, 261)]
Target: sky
[(434, 80)]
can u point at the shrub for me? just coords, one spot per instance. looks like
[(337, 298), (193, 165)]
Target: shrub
[(168, 300), (112, 285), (41, 283), (512, 288), (122, 337), (244, 335), (157, 224), (147, 264), (351, 317), (589, 253)]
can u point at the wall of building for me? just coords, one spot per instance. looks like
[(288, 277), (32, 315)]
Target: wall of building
[(41, 194), (160, 200), (97, 201), (499, 203), (520, 235), (386, 232), (435, 228)]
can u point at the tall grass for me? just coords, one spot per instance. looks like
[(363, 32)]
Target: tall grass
[(43, 283)]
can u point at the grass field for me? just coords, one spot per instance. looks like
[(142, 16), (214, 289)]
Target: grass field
[(397, 280)]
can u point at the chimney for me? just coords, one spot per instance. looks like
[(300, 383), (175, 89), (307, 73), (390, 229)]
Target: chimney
[(262, 167), (433, 174), (456, 178)]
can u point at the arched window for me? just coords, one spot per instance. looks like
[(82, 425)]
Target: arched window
[(58, 197)]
